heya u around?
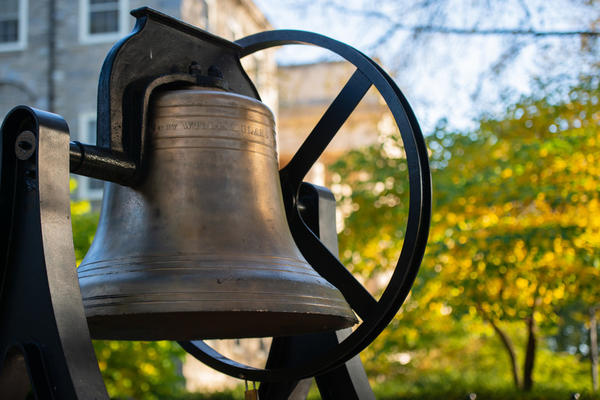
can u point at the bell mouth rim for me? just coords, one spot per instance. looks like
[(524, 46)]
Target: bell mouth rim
[(206, 325)]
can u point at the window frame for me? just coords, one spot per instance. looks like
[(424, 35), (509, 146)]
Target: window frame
[(86, 37), (21, 42)]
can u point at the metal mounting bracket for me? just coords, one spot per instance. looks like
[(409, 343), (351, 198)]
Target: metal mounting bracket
[(44, 332)]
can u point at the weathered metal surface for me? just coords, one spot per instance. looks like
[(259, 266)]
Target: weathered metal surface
[(201, 248), (375, 314), (41, 314), (160, 51), (349, 380)]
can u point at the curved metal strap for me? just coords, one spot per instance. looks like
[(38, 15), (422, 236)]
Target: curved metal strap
[(376, 315), (41, 302)]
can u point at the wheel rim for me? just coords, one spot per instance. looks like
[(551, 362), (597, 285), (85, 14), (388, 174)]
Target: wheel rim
[(376, 315)]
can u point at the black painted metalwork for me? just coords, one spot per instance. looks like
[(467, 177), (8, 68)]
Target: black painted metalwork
[(99, 163), (44, 333), (349, 380), (49, 335), (160, 51), (375, 314)]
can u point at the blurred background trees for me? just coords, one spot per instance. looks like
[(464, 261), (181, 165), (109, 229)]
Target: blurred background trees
[(507, 292), (515, 230), (131, 370), (456, 59), (507, 296)]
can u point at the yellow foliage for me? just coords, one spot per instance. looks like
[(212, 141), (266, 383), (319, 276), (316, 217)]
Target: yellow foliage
[(559, 292), (80, 207), (148, 369), (521, 283)]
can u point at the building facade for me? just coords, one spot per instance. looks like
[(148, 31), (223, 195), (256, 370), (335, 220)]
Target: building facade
[(304, 92), (51, 52)]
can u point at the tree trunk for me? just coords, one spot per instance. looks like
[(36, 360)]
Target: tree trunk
[(510, 348), (594, 347), (529, 354)]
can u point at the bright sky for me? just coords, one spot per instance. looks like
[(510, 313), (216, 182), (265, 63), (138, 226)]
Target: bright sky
[(447, 76)]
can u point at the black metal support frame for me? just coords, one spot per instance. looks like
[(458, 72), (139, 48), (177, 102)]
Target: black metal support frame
[(375, 314), (347, 381), (45, 345), (160, 52), (49, 335)]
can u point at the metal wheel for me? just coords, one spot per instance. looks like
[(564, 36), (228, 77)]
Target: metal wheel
[(375, 314)]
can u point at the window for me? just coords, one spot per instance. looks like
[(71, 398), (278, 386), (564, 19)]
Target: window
[(102, 20), (13, 25), (88, 188)]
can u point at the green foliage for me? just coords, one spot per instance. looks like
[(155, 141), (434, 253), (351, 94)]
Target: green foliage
[(140, 370), (515, 235), (392, 392), (507, 230), (131, 370), (228, 394)]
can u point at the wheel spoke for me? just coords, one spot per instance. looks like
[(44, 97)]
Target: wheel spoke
[(375, 314), (333, 119), (330, 268)]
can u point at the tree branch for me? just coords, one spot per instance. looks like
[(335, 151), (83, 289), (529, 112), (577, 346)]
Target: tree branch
[(529, 362), (508, 345), (594, 346), (530, 349), (494, 31), (449, 30)]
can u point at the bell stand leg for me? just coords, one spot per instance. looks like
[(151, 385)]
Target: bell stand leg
[(45, 346), (348, 381)]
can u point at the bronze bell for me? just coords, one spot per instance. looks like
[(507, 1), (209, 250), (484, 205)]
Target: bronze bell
[(201, 248)]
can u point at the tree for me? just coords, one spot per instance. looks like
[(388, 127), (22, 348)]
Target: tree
[(130, 369), (520, 247), (457, 58), (516, 218)]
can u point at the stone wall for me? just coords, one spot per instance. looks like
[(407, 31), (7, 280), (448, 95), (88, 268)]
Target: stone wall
[(305, 92)]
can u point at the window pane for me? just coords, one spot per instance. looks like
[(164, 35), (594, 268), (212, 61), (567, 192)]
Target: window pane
[(9, 21), (104, 21), (9, 31)]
